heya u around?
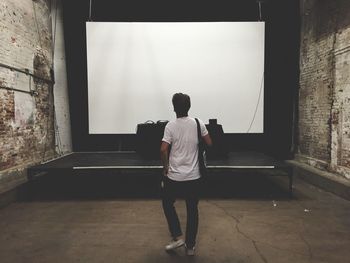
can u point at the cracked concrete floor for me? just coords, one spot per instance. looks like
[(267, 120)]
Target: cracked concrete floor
[(314, 226)]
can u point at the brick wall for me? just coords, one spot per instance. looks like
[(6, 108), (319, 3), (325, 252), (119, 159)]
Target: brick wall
[(324, 96), (26, 114)]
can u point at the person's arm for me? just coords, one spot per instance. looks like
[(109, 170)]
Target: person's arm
[(205, 134), (164, 156), (207, 140)]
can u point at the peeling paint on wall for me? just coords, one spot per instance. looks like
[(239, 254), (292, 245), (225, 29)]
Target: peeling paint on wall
[(24, 109)]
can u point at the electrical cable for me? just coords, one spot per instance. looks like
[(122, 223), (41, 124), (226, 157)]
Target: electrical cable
[(257, 104), (259, 11), (25, 71), (259, 5), (14, 89), (90, 10)]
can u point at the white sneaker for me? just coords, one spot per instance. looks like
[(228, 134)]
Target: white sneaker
[(190, 251), (174, 244)]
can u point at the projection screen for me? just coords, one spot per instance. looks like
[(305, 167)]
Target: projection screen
[(134, 68)]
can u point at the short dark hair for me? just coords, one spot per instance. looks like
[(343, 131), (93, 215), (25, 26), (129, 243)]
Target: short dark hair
[(181, 103)]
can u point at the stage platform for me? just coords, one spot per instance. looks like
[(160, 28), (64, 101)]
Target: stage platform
[(132, 163)]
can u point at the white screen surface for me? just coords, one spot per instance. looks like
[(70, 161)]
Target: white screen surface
[(134, 69)]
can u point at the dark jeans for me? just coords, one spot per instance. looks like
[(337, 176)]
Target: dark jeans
[(189, 190)]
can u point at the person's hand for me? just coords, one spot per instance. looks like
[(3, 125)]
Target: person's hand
[(165, 173), (165, 170)]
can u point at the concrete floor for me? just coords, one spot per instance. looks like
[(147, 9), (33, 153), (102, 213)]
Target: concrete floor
[(314, 226)]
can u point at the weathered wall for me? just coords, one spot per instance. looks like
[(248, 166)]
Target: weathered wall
[(324, 97), (27, 133)]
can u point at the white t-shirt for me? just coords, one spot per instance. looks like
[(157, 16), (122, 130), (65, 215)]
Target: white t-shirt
[(181, 134)]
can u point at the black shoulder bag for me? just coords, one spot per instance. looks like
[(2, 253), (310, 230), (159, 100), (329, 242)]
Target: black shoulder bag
[(202, 162)]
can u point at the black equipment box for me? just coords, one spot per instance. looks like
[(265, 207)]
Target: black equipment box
[(219, 148), (149, 137)]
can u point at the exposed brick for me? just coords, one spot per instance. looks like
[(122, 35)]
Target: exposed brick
[(324, 107), (26, 123)]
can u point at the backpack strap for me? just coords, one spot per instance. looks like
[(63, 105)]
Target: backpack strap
[(198, 130)]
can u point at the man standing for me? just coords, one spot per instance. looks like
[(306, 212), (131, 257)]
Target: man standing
[(181, 172)]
